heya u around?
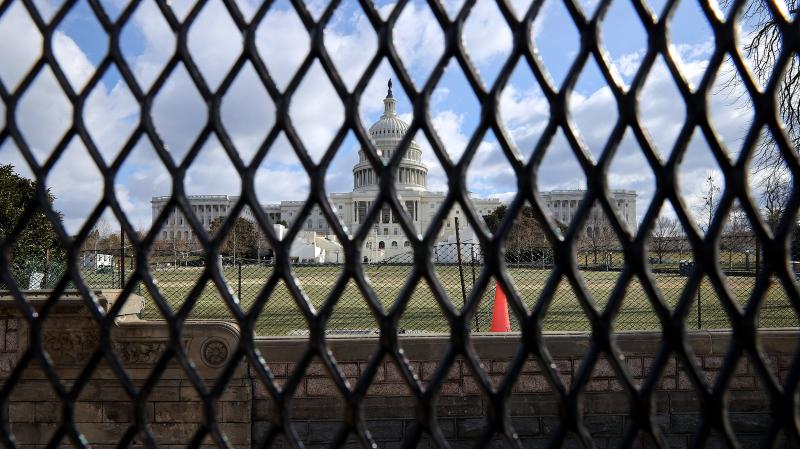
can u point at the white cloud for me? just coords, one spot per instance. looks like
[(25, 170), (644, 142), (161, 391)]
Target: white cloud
[(72, 60), (149, 29), (629, 63), (486, 33), (419, 39), (352, 43), (20, 44), (448, 125), (214, 42), (110, 116), (525, 112), (248, 113), (282, 43)]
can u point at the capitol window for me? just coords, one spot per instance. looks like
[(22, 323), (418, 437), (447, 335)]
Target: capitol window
[(381, 245), (407, 244), (394, 244)]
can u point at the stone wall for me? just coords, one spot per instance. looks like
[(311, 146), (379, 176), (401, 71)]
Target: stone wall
[(317, 408), (174, 413), (102, 411)]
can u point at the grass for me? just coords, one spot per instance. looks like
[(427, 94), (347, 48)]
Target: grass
[(281, 315)]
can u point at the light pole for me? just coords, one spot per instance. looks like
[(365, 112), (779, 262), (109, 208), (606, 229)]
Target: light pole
[(747, 260), (234, 242)]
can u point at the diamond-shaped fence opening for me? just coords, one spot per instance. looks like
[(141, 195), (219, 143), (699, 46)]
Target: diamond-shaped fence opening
[(149, 59), (126, 116), (112, 114), (418, 39), (458, 110), (277, 29), (17, 24), (587, 102), (351, 53), (661, 118), (523, 109)]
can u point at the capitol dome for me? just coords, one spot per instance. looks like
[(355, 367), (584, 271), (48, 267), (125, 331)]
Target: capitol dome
[(386, 135)]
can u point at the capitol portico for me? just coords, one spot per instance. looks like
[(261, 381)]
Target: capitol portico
[(386, 238)]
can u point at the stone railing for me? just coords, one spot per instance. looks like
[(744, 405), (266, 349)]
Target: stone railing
[(245, 411)]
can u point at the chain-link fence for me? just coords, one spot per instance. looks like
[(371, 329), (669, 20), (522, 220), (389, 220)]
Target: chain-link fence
[(176, 273)]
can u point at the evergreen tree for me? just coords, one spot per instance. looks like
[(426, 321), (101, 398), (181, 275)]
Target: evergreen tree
[(242, 239), (38, 242)]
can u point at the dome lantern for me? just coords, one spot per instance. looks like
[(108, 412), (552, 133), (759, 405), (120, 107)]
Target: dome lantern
[(389, 103), (386, 134)]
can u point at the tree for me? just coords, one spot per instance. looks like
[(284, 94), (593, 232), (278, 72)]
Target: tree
[(763, 43), (494, 218), (598, 237), (38, 241), (776, 189), (737, 235), (241, 241), (665, 236), (708, 202), (526, 241), (98, 236)]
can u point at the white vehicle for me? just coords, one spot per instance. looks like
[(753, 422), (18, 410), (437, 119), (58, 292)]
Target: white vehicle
[(98, 261), (104, 261)]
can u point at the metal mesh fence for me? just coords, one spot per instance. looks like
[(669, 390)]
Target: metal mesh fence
[(600, 308), (176, 274)]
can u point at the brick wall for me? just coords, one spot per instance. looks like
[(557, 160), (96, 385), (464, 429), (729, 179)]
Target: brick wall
[(390, 408), (8, 344), (245, 411)]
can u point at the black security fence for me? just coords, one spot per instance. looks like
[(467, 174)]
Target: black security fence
[(770, 88), (176, 273)]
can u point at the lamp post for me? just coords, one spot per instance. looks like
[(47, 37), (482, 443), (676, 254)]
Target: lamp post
[(747, 260)]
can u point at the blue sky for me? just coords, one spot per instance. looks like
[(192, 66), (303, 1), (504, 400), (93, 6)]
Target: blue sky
[(248, 112)]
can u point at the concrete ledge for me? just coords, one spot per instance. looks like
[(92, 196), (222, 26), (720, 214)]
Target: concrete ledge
[(561, 345), (71, 335)]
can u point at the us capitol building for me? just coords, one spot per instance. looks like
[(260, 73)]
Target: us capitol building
[(387, 238)]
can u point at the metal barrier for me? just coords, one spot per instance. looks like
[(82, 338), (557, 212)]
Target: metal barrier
[(602, 309), (176, 274)]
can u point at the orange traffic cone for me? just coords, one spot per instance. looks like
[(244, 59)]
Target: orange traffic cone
[(500, 321)]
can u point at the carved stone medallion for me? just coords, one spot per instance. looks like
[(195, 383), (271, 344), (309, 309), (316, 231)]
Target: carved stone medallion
[(215, 352)]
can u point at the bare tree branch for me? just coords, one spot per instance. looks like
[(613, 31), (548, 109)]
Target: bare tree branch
[(762, 44)]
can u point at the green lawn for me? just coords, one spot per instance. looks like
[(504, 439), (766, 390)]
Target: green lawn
[(281, 315)]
